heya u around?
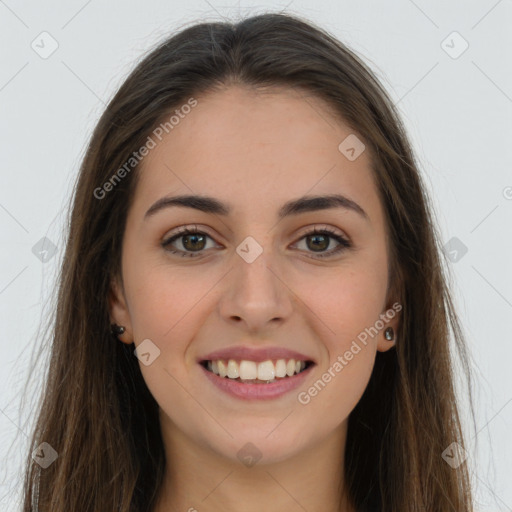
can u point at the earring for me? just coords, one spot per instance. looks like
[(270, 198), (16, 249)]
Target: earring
[(389, 334), (117, 329)]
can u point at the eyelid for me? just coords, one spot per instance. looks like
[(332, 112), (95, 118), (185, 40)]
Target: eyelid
[(186, 230), (301, 232), (344, 242), (194, 228), (323, 227)]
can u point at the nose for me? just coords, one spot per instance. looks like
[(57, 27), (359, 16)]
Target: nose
[(255, 294)]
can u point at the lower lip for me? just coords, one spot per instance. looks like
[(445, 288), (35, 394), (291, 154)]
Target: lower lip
[(257, 391)]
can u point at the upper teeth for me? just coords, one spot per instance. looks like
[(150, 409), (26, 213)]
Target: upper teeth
[(248, 370)]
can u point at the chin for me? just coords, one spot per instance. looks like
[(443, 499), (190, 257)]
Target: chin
[(261, 444)]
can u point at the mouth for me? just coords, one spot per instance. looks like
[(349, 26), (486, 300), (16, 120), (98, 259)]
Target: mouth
[(256, 372)]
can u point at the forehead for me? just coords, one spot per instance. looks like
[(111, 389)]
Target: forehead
[(256, 150)]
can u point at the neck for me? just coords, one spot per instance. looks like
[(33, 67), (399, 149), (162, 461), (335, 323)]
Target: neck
[(198, 479)]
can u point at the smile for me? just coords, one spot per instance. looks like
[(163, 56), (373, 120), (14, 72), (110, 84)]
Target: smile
[(256, 373), (253, 372)]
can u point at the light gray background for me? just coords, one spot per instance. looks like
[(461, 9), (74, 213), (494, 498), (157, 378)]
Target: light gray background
[(457, 110)]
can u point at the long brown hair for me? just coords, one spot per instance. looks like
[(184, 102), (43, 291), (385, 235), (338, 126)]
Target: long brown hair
[(96, 411)]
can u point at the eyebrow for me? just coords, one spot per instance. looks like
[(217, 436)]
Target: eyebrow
[(297, 206)]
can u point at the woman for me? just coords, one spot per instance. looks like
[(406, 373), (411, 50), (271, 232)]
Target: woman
[(250, 219)]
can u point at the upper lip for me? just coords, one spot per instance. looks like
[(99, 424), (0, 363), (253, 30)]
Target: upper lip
[(239, 353)]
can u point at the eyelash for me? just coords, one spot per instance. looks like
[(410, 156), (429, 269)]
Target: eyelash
[(344, 243)]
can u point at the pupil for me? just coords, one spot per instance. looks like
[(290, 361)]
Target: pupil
[(322, 244), (187, 238)]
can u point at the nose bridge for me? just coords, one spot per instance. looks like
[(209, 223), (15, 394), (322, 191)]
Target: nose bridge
[(256, 293), (255, 275), (254, 279)]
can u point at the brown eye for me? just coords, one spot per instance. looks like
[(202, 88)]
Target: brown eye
[(187, 242), (317, 242), (194, 242)]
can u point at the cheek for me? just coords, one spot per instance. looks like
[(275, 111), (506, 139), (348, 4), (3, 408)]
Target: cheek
[(165, 303), (344, 373), (346, 306), (165, 307), (346, 302), (160, 293)]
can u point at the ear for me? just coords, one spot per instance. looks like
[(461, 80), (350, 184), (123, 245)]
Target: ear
[(118, 310), (391, 319)]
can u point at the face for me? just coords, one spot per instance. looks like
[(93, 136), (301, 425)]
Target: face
[(267, 279)]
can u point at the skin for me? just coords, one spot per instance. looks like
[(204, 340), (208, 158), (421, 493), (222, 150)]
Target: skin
[(254, 151)]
